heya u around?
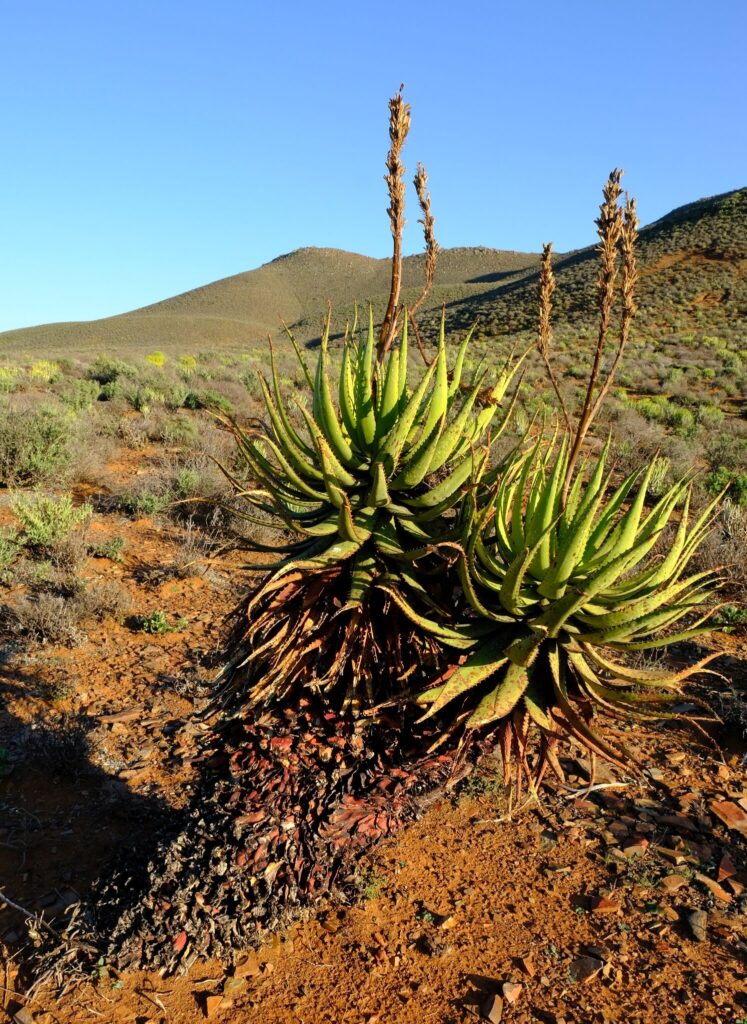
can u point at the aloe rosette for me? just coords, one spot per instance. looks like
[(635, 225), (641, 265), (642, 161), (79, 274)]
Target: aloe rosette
[(368, 480), (561, 591)]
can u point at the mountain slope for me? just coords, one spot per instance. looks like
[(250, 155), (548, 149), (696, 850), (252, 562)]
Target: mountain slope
[(295, 288), (693, 278), (693, 267)]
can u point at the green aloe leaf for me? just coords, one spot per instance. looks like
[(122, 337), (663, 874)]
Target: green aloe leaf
[(501, 701), (487, 658)]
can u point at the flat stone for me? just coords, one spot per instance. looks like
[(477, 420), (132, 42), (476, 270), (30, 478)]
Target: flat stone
[(492, 1009), (713, 887), (698, 921), (585, 968), (671, 883), (248, 967)]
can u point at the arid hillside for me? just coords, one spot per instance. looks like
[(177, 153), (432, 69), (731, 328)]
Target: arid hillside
[(694, 278)]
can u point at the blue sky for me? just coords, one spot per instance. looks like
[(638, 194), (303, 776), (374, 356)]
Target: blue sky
[(150, 147)]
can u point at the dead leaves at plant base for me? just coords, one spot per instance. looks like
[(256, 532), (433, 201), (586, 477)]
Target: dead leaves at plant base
[(289, 802)]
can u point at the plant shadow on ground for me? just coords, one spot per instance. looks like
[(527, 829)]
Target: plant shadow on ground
[(65, 821)]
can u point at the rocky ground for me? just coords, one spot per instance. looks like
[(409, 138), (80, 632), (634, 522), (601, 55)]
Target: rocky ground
[(626, 902)]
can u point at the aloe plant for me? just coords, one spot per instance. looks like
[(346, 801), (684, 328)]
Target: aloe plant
[(368, 480), (560, 593)]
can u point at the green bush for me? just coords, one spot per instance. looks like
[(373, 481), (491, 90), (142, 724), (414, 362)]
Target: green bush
[(187, 365), (208, 400), (9, 378), (709, 415), (178, 430), (110, 390), (143, 503), (35, 444), (174, 396), (144, 398), (680, 419), (736, 483), (718, 343), (10, 545), (660, 477), (651, 408), (46, 522), (731, 615), (80, 395), (251, 383), (158, 622), (187, 483), (106, 370), (111, 549)]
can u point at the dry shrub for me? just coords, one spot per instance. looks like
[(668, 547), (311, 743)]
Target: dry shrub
[(69, 554), (104, 599), (215, 443), (189, 558), (133, 431), (726, 545), (46, 618), (55, 618), (635, 439), (96, 447), (62, 748)]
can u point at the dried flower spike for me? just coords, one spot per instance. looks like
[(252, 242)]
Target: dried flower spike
[(544, 331), (399, 126)]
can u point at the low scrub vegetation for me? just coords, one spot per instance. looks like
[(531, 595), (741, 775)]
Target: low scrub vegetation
[(46, 522)]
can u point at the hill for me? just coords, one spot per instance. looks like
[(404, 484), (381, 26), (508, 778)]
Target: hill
[(296, 288), (694, 278)]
